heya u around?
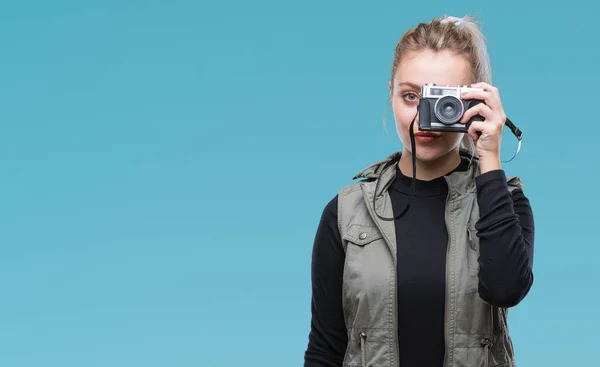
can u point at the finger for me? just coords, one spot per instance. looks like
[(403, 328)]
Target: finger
[(480, 109), (486, 97), (483, 128), (478, 94), (492, 93), (476, 128), (485, 86), (486, 127)]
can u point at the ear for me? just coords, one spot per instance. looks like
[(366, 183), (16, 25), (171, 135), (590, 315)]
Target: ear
[(391, 90)]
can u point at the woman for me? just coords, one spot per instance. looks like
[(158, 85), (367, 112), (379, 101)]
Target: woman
[(430, 286)]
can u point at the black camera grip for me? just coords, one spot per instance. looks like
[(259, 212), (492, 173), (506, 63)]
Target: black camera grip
[(424, 114)]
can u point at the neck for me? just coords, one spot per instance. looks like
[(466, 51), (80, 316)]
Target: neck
[(427, 171)]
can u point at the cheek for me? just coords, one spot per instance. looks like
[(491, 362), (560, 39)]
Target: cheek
[(404, 114)]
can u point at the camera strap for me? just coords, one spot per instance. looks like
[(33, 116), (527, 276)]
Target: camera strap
[(518, 134), (515, 130)]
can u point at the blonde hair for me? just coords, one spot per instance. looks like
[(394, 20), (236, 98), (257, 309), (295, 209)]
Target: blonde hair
[(460, 35)]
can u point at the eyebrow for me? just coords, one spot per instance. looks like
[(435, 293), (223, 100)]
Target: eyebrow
[(412, 85)]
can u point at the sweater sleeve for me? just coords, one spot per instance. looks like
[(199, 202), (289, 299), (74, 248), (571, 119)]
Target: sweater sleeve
[(328, 335), (506, 237)]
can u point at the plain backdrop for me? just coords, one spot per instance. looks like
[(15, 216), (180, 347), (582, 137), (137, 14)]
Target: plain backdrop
[(164, 165)]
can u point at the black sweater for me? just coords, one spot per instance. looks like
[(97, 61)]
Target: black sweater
[(506, 232)]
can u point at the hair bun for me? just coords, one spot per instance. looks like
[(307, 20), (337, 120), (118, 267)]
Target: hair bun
[(458, 22)]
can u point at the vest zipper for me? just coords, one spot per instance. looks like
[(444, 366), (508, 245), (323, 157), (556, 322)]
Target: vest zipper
[(487, 344), (363, 352), (447, 356)]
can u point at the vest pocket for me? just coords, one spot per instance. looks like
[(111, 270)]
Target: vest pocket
[(473, 250), (356, 351), (486, 343), (363, 349), (362, 235)]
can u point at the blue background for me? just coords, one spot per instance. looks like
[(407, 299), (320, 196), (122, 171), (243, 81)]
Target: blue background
[(164, 165)]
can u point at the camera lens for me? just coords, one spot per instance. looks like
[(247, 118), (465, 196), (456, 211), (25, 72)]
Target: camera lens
[(448, 110)]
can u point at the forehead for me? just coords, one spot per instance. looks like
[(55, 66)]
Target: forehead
[(442, 68)]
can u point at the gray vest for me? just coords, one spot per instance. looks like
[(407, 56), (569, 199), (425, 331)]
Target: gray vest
[(476, 332)]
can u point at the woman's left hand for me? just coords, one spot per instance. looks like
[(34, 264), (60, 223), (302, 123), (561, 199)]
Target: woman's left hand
[(487, 134)]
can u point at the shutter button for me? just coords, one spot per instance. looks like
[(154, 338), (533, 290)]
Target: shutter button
[(362, 235)]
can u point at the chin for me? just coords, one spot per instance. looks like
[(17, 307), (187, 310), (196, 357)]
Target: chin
[(428, 155), (432, 153)]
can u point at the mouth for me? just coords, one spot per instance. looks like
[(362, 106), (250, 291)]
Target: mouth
[(426, 137)]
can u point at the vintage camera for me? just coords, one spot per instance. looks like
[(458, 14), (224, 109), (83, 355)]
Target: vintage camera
[(441, 108)]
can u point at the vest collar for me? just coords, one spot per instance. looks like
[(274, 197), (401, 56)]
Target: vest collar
[(384, 171)]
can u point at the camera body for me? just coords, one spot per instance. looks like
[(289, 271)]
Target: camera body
[(441, 108)]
